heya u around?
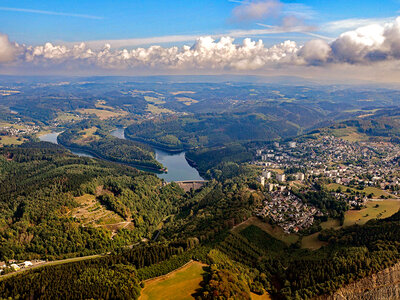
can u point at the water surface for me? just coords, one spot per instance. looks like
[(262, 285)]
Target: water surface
[(52, 138), (176, 163)]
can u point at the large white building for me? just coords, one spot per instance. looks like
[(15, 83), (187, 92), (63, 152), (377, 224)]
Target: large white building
[(281, 177)]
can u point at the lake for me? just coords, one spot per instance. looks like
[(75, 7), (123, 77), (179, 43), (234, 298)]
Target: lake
[(176, 163), (52, 138)]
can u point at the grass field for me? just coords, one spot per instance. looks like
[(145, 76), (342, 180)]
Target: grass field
[(103, 114), (385, 209), (11, 140), (349, 134), (67, 117), (312, 242), (368, 190), (178, 285), (187, 101), (331, 223), (157, 110), (88, 135), (274, 231), (154, 100)]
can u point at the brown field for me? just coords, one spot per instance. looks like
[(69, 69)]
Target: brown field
[(91, 212), (187, 101), (182, 92)]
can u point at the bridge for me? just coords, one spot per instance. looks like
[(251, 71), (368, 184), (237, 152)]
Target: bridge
[(187, 185)]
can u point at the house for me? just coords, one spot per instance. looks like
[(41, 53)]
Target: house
[(15, 267), (27, 264)]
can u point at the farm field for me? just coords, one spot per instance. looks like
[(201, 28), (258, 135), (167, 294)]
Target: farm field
[(178, 285), (102, 114)]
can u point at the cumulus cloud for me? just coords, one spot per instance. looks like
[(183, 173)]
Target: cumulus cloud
[(7, 49), (205, 53), (256, 10), (368, 44), (364, 46)]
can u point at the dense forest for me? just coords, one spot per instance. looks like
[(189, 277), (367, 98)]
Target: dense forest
[(199, 226), (39, 185), (92, 136), (206, 130)]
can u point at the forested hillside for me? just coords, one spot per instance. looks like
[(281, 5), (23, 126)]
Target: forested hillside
[(93, 137), (205, 130), (39, 186)]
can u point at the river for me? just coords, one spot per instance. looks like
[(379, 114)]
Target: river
[(176, 163), (52, 138)]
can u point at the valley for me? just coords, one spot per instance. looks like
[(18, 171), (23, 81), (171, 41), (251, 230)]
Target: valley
[(287, 185)]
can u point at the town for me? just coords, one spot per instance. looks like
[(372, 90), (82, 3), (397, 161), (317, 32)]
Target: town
[(347, 167)]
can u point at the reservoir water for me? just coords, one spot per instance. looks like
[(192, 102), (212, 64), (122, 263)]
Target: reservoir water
[(176, 163), (52, 138)]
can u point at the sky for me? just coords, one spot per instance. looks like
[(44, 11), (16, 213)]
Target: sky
[(311, 38)]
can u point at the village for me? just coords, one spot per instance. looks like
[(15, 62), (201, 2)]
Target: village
[(349, 166), (13, 266)]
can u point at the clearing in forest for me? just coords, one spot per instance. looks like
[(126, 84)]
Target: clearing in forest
[(177, 285)]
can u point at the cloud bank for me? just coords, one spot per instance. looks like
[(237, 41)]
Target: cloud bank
[(366, 45)]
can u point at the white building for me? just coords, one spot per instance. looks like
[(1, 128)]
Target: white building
[(281, 177), (261, 179), (292, 144), (27, 264), (266, 174)]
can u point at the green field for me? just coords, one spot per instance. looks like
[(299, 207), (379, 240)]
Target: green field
[(385, 209), (178, 285), (11, 140), (275, 231), (312, 242), (368, 190)]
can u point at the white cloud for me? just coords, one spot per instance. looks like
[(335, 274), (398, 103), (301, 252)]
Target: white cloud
[(7, 49), (256, 10), (364, 46), (351, 24)]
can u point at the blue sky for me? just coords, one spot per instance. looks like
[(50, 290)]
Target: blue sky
[(344, 39), (110, 20)]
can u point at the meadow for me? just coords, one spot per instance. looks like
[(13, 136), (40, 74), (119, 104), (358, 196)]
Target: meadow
[(178, 285)]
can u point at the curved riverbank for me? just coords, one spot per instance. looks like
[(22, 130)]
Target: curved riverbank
[(97, 155), (180, 168)]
